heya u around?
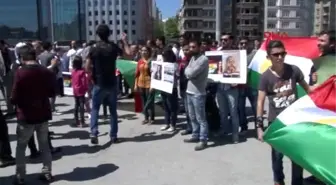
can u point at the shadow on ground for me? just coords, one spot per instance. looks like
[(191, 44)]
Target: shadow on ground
[(79, 174)]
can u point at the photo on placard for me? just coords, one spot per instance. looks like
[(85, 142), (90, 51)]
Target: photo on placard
[(215, 59), (231, 65), (157, 71), (168, 74)]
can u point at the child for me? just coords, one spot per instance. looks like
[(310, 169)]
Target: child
[(80, 88)]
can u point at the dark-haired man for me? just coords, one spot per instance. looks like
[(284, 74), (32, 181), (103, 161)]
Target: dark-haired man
[(34, 84), (278, 83), (101, 63), (197, 74)]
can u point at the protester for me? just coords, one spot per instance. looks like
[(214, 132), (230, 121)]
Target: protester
[(80, 87), (197, 75), (32, 88), (101, 63), (278, 83), (142, 85)]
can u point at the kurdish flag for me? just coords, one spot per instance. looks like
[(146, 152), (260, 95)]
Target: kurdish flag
[(306, 132), (300, 52)]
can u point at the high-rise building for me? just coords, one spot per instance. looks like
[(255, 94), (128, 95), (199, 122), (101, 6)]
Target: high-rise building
[(238, 17), (42, 19), (122, 16), (324, 15), (293, 17)]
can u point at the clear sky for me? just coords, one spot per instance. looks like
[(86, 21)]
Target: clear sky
[(168, 7)]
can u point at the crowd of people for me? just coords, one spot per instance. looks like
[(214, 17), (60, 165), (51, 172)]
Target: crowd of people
[(32, 79)]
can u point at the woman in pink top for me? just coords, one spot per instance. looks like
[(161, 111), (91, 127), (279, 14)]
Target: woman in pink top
[(80, 87)]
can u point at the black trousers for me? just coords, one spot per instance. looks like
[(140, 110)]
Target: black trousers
[(79, 108), (5, 149)]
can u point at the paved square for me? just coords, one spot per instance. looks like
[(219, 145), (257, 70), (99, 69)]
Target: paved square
[(147, 156)]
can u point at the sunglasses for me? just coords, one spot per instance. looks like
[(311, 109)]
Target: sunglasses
[(279, 54)]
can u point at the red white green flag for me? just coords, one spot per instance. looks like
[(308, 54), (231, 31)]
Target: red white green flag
[(306, 132), (300, 52)]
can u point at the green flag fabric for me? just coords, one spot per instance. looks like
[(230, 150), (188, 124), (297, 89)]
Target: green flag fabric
[(127, 69)]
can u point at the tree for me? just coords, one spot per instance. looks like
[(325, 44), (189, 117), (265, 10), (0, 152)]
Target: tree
[(171, 29), (158, 29)]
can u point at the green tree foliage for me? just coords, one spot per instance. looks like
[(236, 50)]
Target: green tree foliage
[(158, 29), (171, 28)]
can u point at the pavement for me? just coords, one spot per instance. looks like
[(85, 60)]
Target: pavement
[(147, 156)]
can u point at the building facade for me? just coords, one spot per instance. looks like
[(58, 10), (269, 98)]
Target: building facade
[(51, 20), (293, 17), (122, 16), (238, 17), (324, 15)]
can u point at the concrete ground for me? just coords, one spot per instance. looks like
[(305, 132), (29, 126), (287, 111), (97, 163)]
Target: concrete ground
[(147, 156)]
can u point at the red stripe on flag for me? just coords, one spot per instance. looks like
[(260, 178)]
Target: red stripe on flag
[(324, 95), (297, 46)]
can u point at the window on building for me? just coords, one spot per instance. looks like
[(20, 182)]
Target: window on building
[(246, 21), (133, 22), (103, 22), (95, 3), (211, 2), (102, 3), (133, 12), (285, 13), (90, 23), (247, 11), (117, 2), (110, 22), (271, 14), (270, 25), (118, 32), (118, 22), (246, 33), (103, 12), (96, 13), (285, 24), (286, 2), (110, 2), (89, 3), (96, 22), (118, 12), (271, 2), (125, 12), (298, 25), (110, 12), (238, 22), (133, 2), (125, 23), (90, 32), (133, 32), (90, 13)]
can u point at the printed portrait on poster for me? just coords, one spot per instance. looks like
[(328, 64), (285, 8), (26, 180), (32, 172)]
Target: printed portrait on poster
[(163, 74), (157, 71), (227, 66)]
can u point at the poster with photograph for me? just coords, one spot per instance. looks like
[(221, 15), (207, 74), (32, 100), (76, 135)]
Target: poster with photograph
[(163, 74), (227, 66), (67, 84)]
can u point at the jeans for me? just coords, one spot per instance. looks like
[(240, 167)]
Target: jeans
[(196, 111), (98, 95), (79, 108), (147, 98), (170, 104), (5, 149), (277, 167), (251, 94), (185, 102), (228, 104), (24, 133)]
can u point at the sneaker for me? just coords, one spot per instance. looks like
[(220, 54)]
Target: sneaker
[(171, 129), (55, 150), (164, 127), (94, 140), (57, 113), (47, 177), (7, 162), (201, 146), (191, 140), (235, 139), (89, 116), (18, 181), (243, 131), (185, 132), (114, 140)]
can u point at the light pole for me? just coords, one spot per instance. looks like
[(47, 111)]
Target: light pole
[(218, 20), (52, 21)]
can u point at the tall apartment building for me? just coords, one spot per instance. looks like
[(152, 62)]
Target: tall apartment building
[(239, 17), (132, 17), (293, 17), (324, 15)]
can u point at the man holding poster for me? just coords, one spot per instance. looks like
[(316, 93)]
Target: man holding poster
[(197, 74)]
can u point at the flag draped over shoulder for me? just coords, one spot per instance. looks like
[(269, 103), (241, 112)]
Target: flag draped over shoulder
[(306, 132), (300, 52)]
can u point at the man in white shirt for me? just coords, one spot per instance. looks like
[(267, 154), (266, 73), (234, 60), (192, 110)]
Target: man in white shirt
[(73, 52)]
